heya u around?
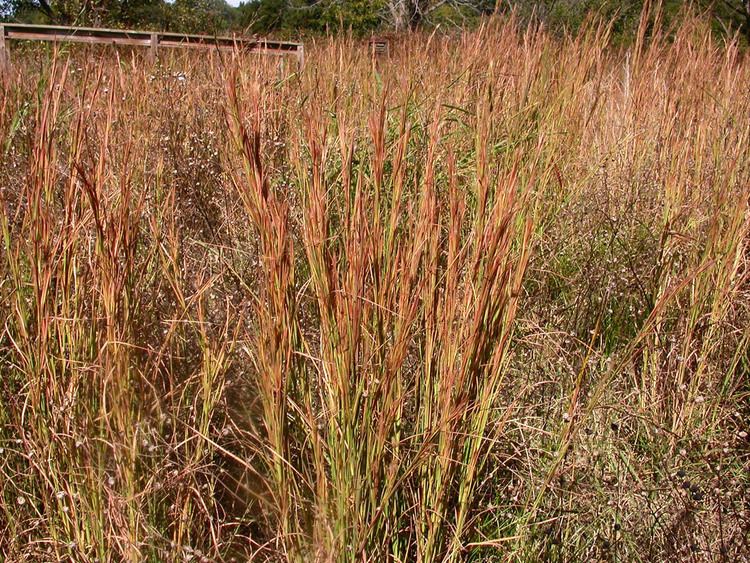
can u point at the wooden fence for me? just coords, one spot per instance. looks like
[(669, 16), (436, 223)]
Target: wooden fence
[(153, 40)]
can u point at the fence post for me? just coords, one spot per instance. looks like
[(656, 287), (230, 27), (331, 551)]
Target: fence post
[(154, 50), (4, 52), (301, 56)]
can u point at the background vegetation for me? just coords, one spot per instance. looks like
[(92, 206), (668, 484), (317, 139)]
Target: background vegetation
[(486, 298), (304, 17)]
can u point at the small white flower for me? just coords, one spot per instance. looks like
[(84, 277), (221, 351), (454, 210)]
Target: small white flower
[(20, 501)]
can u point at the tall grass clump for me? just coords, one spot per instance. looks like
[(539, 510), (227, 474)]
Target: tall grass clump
[(485, 299), (378, 375)]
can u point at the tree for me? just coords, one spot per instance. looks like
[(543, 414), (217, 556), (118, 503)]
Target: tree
[(410, 14), (212, 17), (359, 16), (115, 13), (740, 9), (262, 16)]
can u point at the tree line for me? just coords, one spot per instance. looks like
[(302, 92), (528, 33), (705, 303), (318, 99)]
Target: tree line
[(295, 17)]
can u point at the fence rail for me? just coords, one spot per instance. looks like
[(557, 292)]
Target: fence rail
[(150, 39)]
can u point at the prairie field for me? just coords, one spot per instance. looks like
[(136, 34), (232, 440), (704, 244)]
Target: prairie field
[(484, 299)]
